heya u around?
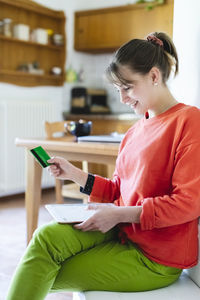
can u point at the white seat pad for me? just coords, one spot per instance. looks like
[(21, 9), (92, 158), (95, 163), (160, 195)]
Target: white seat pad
[(183, 289)]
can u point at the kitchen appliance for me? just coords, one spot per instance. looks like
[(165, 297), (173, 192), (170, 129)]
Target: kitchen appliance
[(88, 101), (79, 101)]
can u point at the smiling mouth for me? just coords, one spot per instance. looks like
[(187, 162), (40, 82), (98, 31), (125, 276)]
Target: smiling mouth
[(133, 105)]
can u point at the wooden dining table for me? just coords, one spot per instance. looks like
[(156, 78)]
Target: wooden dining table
[(102, 153)]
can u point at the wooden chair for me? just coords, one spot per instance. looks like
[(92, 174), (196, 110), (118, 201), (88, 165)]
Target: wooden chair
[(71, 190)]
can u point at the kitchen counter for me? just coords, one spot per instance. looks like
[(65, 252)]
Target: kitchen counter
[(114, 116)]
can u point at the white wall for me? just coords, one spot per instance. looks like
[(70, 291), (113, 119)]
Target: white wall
[(186, 37)]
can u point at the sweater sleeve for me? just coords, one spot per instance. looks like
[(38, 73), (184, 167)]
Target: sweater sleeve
[(183, 203), (105, 190)]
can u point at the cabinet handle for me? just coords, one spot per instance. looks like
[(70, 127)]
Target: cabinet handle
[(80, 31)]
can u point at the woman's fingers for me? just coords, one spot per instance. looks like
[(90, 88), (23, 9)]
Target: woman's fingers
[(85, 225), (86, 228), (96, 206), (53, 160), (54, 167), (56, 173), (54, 170), (92, 206), (80, 226)]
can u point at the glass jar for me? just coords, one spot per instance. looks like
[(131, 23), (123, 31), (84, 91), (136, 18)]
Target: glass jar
[(1, 26), (7, 31)]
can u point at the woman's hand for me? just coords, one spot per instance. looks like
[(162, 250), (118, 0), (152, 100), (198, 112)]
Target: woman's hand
[(63, 169), (108, 215), (60, 168), (105, 218)]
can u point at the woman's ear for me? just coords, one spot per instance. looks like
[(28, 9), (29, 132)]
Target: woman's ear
[(155, 76)]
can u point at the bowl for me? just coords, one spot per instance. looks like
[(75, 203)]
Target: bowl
[(80, 128)]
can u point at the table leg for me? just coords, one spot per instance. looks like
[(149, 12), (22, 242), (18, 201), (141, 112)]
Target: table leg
[(58, 187), (110, 171), (33, 193)]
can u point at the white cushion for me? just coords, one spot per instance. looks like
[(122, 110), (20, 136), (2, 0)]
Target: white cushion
[(183, 289), (194, 272)]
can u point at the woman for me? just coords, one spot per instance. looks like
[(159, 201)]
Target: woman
[(145, 240)]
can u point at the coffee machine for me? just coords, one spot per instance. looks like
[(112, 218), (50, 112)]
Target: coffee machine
[(87, 101), (79, 101)]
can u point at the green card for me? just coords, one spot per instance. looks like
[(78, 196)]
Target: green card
[(41, 155)]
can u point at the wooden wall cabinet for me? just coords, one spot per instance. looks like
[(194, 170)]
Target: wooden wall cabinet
[(105, 30), (14, 52)]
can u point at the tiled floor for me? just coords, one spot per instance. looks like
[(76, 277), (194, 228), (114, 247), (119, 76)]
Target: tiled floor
[(13, 239)]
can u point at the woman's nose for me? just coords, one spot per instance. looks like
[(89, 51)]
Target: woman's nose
[(123, 97)]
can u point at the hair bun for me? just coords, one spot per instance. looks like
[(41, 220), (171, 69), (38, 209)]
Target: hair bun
[(153, 39)]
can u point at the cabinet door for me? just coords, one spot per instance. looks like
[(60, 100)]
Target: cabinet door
[(80, 33), (105, 30), (100, 31)]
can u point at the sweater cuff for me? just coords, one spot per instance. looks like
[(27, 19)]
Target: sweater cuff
[(147, 217), (87, 189)]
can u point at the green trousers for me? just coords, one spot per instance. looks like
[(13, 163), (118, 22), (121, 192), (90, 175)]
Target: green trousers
[(62, 258)]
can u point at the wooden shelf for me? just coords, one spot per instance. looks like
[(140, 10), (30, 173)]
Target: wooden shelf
[(15, 52), (34, 7), (11, 39), (111, 9), (28, 79)]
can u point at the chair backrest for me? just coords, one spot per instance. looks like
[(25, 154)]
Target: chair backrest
[(194, 273), (57, 131)]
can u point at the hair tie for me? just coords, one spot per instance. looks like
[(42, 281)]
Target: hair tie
[(153, 39)]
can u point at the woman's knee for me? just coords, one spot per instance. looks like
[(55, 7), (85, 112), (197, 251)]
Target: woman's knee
[(51, 232)]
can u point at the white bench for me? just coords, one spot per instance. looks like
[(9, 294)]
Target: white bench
[(185, 288)]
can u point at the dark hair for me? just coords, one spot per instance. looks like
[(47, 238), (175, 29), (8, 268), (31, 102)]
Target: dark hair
[(141, 55)]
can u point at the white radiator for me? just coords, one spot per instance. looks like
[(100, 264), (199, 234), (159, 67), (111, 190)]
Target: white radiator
[(23, 119)]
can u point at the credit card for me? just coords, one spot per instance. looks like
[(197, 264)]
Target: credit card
[(41, 155)]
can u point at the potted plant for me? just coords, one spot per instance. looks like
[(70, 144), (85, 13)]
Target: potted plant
[(151, 4)]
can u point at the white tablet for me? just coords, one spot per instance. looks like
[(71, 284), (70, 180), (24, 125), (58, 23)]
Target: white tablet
[(101, 138), (69, 213)]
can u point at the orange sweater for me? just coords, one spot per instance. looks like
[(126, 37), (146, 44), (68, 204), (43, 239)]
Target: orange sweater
[(158, 167)]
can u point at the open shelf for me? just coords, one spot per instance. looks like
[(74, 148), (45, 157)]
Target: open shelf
[(15, 52), (11, 39), (28, 79)]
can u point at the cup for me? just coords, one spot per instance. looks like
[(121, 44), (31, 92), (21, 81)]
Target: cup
[(80, 128)]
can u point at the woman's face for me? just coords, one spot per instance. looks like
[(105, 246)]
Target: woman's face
[(139, 94)]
